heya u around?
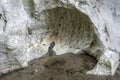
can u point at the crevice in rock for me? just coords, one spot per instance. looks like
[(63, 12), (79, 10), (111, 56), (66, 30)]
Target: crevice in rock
[(30, 8)]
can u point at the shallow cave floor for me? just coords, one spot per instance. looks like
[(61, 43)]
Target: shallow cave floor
[(63, 67)]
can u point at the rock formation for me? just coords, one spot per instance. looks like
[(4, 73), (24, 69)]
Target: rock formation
[(27, 27)]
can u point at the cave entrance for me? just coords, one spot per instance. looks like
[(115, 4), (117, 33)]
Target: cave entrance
[(71, 28)]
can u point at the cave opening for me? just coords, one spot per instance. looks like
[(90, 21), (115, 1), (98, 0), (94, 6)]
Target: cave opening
[(70, 27)]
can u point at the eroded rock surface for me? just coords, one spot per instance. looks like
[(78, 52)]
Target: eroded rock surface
[(27, 27), (64, 67), (61, 67)]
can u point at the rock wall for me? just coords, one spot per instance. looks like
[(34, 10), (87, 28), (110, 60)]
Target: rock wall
[(77, 26)]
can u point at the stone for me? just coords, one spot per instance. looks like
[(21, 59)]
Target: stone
[(29, 26)]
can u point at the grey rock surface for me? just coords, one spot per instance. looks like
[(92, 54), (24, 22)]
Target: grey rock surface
[(27, 27), (61, 67)]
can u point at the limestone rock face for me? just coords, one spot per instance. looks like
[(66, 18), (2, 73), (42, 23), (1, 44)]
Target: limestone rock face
[(27, 27)]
